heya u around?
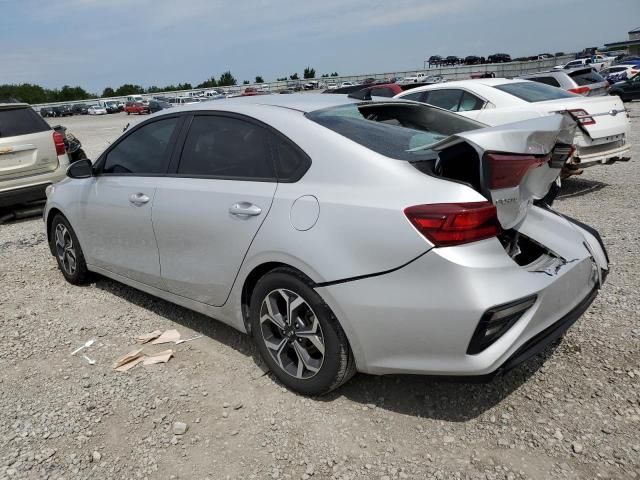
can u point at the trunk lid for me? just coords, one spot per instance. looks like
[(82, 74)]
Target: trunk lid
[(517, 164), (604, 116), (26, 143)]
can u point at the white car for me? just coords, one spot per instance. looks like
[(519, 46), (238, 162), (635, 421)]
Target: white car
[(604, 125), (596, 63), (620, 72), (346, 84), (97, 110), (418, 77)]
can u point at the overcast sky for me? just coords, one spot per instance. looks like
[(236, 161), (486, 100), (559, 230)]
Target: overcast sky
[(99, 43)]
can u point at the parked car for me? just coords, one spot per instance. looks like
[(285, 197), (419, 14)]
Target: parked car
[(295, 86), (65, 111), (435, 60), (157, 105), (418, 77), (582, 62), (387, 90), (604, 125), (472, 60), (441, 264), (97, 110), (136, 107), (619, 73), (628, 89), (47, 112), (452, 60), (110, 106), (583, 81), (80, 109), (499, 58), (32, 155), (56, 111), (330, 86)]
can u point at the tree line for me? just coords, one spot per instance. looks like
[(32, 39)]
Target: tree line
[(30, 93)]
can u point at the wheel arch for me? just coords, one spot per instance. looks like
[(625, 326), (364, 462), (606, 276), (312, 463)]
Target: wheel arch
[(51, 214)]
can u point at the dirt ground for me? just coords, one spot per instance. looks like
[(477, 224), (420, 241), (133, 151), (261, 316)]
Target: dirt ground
[(571, 413)]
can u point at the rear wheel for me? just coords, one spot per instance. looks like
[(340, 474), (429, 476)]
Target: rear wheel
[(68, 252), (298, 335)]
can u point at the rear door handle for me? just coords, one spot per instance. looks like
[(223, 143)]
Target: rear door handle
[(245, 209), (139, 199)]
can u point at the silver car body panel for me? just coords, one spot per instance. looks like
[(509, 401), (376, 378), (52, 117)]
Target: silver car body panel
[(391, 290)]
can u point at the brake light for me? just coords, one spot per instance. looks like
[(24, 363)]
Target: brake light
[(508, 169), (580, 90), (58, 140), (582, 116), (448, 224)]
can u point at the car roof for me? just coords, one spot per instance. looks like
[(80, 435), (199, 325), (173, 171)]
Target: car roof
[(302, 102), (12, 105)]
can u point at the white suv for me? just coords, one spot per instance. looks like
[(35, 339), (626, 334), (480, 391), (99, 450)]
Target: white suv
[(32, 155)]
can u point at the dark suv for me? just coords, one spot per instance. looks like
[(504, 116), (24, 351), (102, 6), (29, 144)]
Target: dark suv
[(499, 58), (628, 89)]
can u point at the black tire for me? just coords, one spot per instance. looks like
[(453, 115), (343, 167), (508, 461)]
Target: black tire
[(337, 363), (77, 275)]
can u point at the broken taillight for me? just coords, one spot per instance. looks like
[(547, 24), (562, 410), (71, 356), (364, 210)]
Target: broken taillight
[(448, 224), (58, 140), (582, 116), (508, 169)]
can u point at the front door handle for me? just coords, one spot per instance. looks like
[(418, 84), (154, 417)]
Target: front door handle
[(245, 209), (139, 199)]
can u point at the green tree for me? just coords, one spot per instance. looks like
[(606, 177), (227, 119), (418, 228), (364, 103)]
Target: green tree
[(283, 79), (108, 92), (246, 82), (226, 79), (309, 72), (259, 79), (325, 75), (210, 83), (128, 89), (294, 76), (335, 74)]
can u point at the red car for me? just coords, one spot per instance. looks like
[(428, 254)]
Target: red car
[(136, 107)]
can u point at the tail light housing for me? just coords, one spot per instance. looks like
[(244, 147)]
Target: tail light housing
[(496, 321), (582, 116), (508, 169), (580, 90), (58, 140), (448, 224)]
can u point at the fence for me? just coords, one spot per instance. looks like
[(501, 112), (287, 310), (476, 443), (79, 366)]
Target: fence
[(458, 72)]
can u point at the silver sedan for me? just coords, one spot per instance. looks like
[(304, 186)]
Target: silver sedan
[(344, 236)]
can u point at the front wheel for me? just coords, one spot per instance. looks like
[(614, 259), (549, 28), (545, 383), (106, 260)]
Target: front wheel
[(68, 253), (298, 335)]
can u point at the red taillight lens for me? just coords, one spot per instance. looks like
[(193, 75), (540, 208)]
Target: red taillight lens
[(582, 116), (58, 140), (508, 169), (580, 90), (447, 224)]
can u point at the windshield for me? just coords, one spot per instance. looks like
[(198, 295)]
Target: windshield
[(534, 92), (399, 131)]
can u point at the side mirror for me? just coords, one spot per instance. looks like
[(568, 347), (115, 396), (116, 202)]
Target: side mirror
[(80, 169)]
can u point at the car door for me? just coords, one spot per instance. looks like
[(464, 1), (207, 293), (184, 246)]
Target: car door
[(206, 215), (116, 210)]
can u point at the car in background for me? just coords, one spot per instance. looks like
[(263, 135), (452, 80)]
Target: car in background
[(582, 62), (111, 106), (80, 109), (499, 58), (386, 90), (583, 81), (451, 60), (97, 110), (347, 84), (135, 98), (66, 111), (245, 211), (618, 73), (330, 86), (136, 107), (157, 105), (472, 60), (32, 155), (417, 77), (47, 112), (628, 89), (295, 86), (435, 60), (604, 125)]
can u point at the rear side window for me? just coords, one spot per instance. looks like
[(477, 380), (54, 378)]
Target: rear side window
[(533, 92), (470, 102), (224, 147), (20, 121), (586, 77), (143, 152), (291, 162), (546, 80), (445, 98)]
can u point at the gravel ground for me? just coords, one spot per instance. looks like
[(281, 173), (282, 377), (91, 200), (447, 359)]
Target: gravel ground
[(572, 413)]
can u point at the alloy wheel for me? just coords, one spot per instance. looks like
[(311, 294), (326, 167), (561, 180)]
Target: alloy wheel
[(65, 249), (292, 333)]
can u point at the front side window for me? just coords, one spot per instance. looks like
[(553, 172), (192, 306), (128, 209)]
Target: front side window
[(533, 92), (224, 147), (143, 152)]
